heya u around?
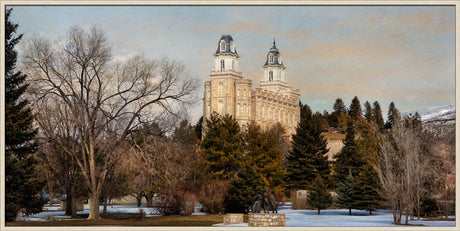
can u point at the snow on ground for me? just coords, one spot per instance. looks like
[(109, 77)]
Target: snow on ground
[(54, 213), (340, 217), (330, 217)]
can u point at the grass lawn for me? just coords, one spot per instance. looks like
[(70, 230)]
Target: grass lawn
[(196, 220)]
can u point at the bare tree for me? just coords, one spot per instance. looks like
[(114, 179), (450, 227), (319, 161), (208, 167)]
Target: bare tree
[(443, 167), (104, 100), (58, 148), (406, 154)]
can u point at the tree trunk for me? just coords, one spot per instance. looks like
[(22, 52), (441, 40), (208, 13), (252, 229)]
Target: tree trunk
[(51, 195), (93, 206), (447, 211), (68, 204), (139, 199), (105, 206), (149, 197), (318, 211), (370, 212), (94, 192), (349, 211), (73, 202)]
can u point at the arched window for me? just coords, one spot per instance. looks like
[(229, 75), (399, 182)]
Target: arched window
[(220, 89), (238, 109), (222, 45), (220, 107), (270, 76), (244, 92), (222, 65), (270, 58), (238, 92), (245, 110)]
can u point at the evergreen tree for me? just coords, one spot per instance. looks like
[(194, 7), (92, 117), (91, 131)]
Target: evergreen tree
[(21, 182), (368, 114), (348, 160), (338, 110), (346, 194), (307, 157), (339, 106), (319, 197), (377, 115), (369, 146), (263, 154), (222, 147), (324, 125), (328, 118), (243, 189), (355, 111), (393, 116), (367, 189), (198, 128)]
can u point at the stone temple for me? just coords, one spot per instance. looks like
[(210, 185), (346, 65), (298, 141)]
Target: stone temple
[(228, 92)]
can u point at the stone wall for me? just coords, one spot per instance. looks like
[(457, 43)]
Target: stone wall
[(267, 219), (233, 218)]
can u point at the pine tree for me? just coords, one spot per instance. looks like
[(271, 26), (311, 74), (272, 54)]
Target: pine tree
[(319, 197), (368, 114), (21, 182), (393, 116), (222, 147), (377, 115), (198, 128), (346, 194), (243, 189), (324, 125), (367, 189), (339, 109), (355, 111), (264, 155), (339, 106), (348, 160), (307, 157)]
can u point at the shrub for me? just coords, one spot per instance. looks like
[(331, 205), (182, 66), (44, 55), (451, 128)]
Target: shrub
[(176, 200), (212, 195)]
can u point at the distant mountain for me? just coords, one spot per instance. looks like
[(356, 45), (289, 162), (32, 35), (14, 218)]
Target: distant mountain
[(444, 112)]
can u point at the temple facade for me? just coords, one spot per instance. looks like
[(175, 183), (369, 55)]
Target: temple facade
[(228, 92)]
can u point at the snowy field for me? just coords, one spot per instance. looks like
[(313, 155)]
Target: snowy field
[(332, 217), (340, 217), (53, 213)]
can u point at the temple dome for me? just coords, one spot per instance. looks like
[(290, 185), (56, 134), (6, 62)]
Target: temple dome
[(274, 57), (226, 46)]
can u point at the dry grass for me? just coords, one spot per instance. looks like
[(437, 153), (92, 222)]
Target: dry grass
[(197, 220)]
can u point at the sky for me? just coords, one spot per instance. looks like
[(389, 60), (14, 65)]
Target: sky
[(400, 54)]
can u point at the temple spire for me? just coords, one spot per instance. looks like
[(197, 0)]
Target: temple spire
[(274, 43)]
